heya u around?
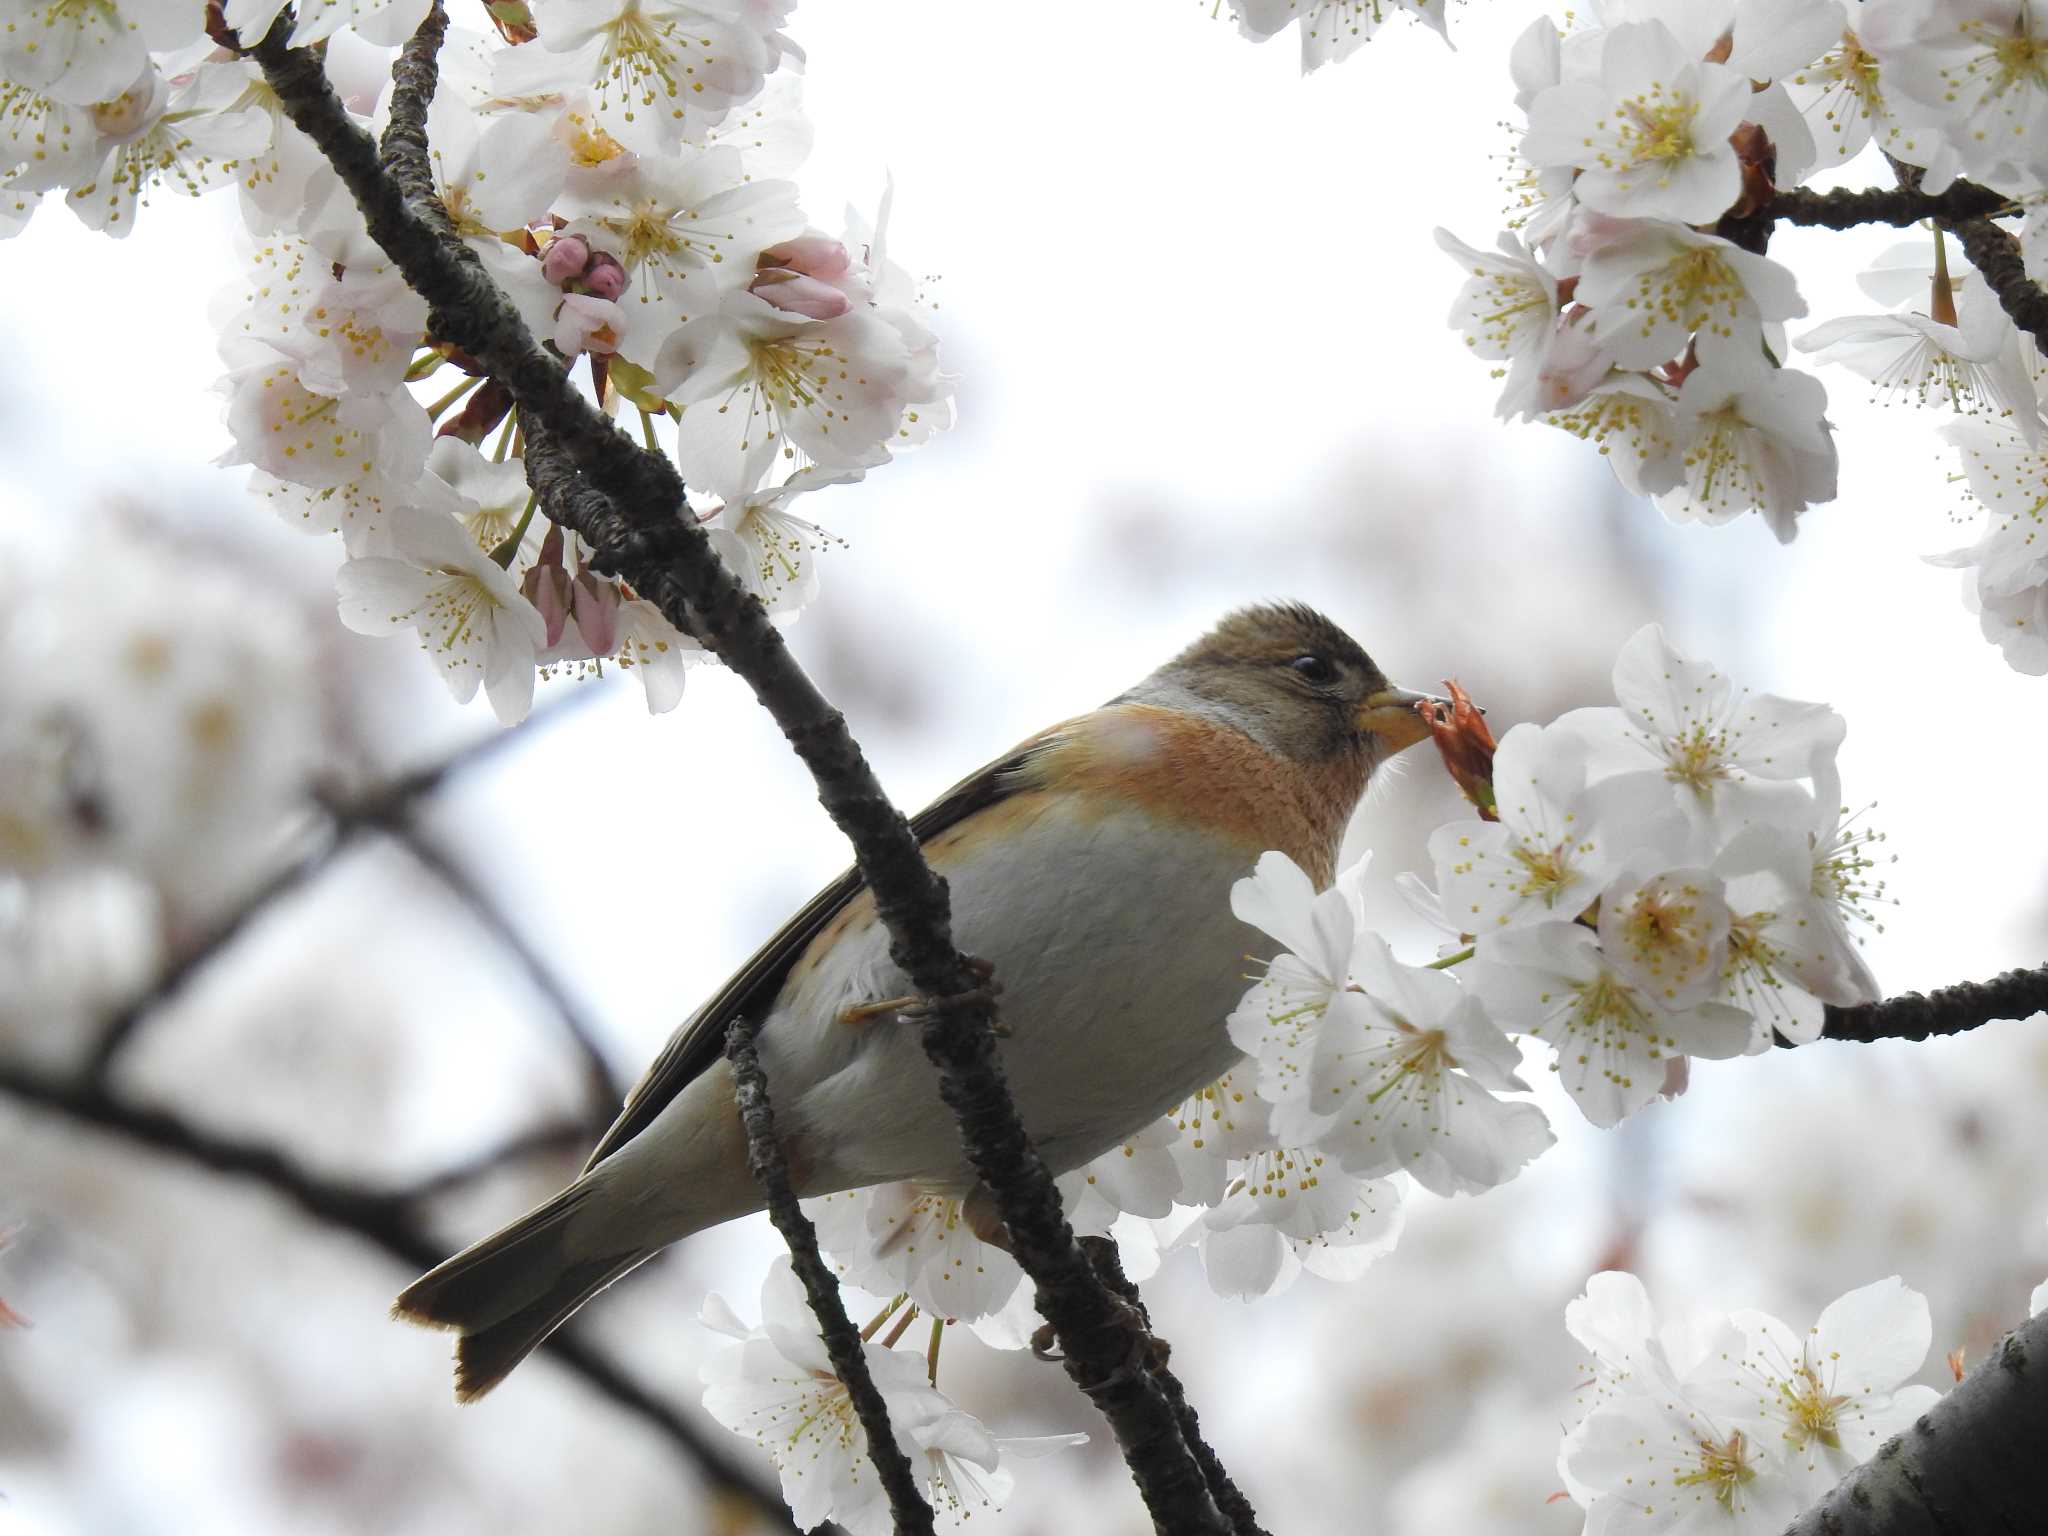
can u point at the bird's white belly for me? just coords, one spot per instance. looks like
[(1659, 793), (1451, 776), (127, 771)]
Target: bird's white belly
[(1118, 956)]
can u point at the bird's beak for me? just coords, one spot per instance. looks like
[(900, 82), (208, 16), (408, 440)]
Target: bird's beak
[(1392, 716)]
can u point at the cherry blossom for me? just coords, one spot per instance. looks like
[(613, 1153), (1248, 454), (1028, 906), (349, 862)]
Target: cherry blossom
[(1289, 1209), (1980, 68), (1331, 30), (85, 53), (471, 618), (775, 1382), (774, 552), (1652, 287), (1662, 1446), (1974, 363), (1838, 1392), (1508, 306), (1650, 137), (754, 381), (1560, 838), (1729, 752), (1751, 438), (1613, 1038)]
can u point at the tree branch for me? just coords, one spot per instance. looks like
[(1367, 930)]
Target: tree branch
[(1996, 256), (386, 1221), (912, 1515), (1971, 1463), (415, 75), (348, 817), (1950, 1011), (399, 822), (1230, 1502), (639, 531), (543, 1140), (1845, 208)]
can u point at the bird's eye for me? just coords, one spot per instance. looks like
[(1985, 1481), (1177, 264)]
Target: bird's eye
[(1314, 669)]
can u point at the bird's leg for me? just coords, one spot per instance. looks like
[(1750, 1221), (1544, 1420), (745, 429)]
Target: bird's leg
[(915, 1009)]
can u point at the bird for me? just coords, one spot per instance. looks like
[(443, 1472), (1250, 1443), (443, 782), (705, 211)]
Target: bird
[(1090, 867)]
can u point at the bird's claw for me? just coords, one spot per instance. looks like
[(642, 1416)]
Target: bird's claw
[(916, 1009)]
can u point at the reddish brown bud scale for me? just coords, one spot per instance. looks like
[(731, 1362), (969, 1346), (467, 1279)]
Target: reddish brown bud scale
[(1465, 744)]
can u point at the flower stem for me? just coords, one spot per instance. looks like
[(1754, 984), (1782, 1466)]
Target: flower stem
[(931, 1353), (647, 429), (1450, 960), (909, 1316), (507, 552), (505, 437), (454, 395), (888, 1311)]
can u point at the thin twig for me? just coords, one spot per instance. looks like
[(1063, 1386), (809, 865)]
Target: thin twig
[(1230, 1500), (348, 817), (415, 75), (552, 1140), (120, 1029), (386, 1220), (403, 826), (2018, 994), (912, 1515)]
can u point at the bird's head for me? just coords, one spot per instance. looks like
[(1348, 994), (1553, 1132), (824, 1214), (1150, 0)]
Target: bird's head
[(1294, 681)]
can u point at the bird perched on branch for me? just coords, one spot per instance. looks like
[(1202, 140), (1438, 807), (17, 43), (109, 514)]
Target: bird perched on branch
[(1091, 867)]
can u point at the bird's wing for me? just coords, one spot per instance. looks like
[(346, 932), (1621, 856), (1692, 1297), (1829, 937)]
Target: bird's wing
[(754, 987)]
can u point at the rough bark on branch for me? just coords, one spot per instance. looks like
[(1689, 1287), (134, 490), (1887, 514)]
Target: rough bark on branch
[(1846, 208), (907, 1506), (1995, 253), (2018, 994), (639, 530), (1975, 1464)]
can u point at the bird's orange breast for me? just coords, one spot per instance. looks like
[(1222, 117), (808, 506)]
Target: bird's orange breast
[(1188, 769)]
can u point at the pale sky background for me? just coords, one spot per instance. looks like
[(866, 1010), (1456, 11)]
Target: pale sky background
[(1198, 318)]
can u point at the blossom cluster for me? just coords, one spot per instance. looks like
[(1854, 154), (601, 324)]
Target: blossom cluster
[(1628, 302), (1331, 30), (156, 747), (775, 1382), (1665, 878), (620, 169), (1734, 1422)]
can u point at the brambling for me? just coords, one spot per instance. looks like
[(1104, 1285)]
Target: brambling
[(1091, 866)]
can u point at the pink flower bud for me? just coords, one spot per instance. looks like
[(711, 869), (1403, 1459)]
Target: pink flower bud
[(813, 255), (604, 276), (596, 606), (799, 295), (547, 587), (565, 260)]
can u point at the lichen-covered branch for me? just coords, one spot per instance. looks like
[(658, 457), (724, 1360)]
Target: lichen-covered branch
[(1972, 1465), (386, 1219), (1952, 1010), (636, 527), (912, 1515)]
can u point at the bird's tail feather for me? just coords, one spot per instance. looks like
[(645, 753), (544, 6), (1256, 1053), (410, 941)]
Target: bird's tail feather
[(510, 1291)]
